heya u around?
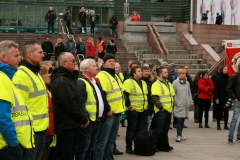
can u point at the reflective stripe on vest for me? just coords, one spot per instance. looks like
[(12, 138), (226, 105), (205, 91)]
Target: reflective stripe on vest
[(166, 99), (91, 103), (113, 90), (20, 116), (25, 88), (37, 99), (139, 98)]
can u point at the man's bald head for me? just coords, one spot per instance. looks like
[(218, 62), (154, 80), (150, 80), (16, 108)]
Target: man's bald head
[(67, 61)]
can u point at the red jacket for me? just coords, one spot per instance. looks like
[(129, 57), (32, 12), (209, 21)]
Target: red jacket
[(135, 18), (50, 131), (90, 50), (205, 88)]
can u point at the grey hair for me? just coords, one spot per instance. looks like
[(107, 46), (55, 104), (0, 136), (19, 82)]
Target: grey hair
[(86, 63), (6, 45)]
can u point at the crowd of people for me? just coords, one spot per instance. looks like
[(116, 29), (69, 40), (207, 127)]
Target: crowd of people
[(65, 110), (87, 50)]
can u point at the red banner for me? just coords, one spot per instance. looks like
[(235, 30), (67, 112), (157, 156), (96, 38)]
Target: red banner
[(232, 56)]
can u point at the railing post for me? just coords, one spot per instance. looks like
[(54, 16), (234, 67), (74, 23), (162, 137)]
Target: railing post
[(60, 18)]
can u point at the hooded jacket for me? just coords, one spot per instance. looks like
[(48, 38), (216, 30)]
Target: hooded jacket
[(69, 111), (84, 94)]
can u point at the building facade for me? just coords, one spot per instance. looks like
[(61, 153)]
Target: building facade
[(31, 13)]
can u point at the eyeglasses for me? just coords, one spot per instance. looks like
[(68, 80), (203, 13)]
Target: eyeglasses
[(73, 60)]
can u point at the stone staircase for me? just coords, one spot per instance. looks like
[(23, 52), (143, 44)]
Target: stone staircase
[(122, 56), (177, 54)]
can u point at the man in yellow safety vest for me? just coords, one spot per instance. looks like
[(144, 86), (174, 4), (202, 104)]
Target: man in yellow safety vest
[(33, 91), (163, 98), (16, 132)]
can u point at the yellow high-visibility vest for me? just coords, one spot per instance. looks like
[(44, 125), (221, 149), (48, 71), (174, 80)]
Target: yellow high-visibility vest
[(91, 103), (20, 115), (120, 76), (166, 95), (114, 90), (137, 96), (33, 90)]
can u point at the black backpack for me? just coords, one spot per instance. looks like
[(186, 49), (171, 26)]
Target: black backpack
[(144, 144)]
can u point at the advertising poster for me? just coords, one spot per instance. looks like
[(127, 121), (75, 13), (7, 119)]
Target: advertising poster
[(228, 9), (232, 55)]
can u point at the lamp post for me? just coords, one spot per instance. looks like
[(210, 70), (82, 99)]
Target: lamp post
[(191, 18), (126, 10)]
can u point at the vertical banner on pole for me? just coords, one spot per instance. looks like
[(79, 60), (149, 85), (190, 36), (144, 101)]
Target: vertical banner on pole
[(232, 55)]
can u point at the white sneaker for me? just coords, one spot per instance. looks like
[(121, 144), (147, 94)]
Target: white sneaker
[(183, 138), (178, 139)]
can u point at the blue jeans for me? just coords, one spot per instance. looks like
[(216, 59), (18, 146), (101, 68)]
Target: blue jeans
[(11, 153), (114, 31), (66, 143), (196, 112), (179, 123), (135, 124), (163, 121), (86, 142), (146, 123), (36, 153), (106, 138), (236, 112)]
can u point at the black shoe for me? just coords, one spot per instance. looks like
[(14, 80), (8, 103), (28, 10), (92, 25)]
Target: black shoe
[(174, 126), (117, 152), (184, 126), (123, 124), (196, 121), (170, 127), (226, 128), (130, 151), (230, 141), (218, 127), (206, 125), (200, 125), (170, 148)]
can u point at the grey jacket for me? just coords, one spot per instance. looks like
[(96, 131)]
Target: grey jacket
[(183, 98)]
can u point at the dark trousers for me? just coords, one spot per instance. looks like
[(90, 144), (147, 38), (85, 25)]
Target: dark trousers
[(220, 115), (135, 124), (92, 27), (51, 25), (36, 153), (69, 27), (204, 104), (196, 112), (48, 142), (114, 32), (215, 112), (86, 142), (162, 124), (66, 144), (11, 153), (179, 123), (101, 55), (83, 23)]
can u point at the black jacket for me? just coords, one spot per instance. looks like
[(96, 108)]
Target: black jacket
[(83, 95), (50, 16), (47, 47), (233, 86), (111, 48), (82, 17), (220, 92), (69, 111), (67, 17), (113, 22), (59, 49), (149, 96), (218, 20)]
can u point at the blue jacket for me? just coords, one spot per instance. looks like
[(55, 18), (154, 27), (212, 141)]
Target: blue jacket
[(7, 128)]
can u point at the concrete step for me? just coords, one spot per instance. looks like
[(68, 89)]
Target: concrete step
[(178, 52), (170, 56), (187, 61), (174, 43), (138, 47), (175, 47)]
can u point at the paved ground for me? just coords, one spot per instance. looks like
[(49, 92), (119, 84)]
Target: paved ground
[(201, 144)]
